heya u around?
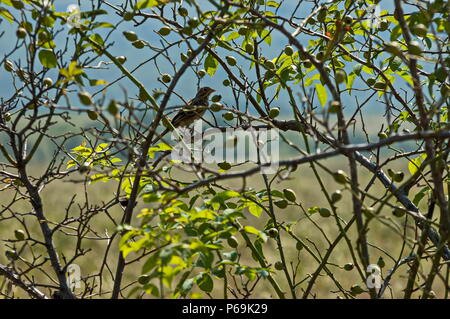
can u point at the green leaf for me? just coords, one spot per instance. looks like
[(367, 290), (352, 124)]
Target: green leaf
[(254, 231), (102, 25), (310, 80), (211, 65), (161, 147), (413, 165), (407, 77), (272, 4), (258, 245), (322, 94), (395, 33), (232, 36), (48, 21), (97, 39), (265, 34), (231, 255), (150, 3), (367, 69), (251, 230), (223, 196), (93, 14), (314, 209), (165, 255), (255, 210), (99, 178), (130, 246), (6, 14), (203, 214), (395, 63), (421, 194), (150, 263), (48, 59), (205, 282), (351, 79), (151, 289), (94, 82)]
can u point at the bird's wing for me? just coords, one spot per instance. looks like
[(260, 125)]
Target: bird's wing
[(179, 117)]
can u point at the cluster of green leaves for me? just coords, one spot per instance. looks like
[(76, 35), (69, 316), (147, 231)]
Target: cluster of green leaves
[(197, 243), (86, 158)]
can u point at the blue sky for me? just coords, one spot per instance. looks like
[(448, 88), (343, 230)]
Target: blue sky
[(148, 74)]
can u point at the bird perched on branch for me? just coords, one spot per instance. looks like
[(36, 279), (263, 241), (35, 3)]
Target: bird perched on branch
[(191, 112)]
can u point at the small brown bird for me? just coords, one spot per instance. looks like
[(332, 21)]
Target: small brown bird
[(193, 111)]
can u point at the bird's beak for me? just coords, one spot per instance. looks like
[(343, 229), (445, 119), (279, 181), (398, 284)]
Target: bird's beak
[(212, 90)]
